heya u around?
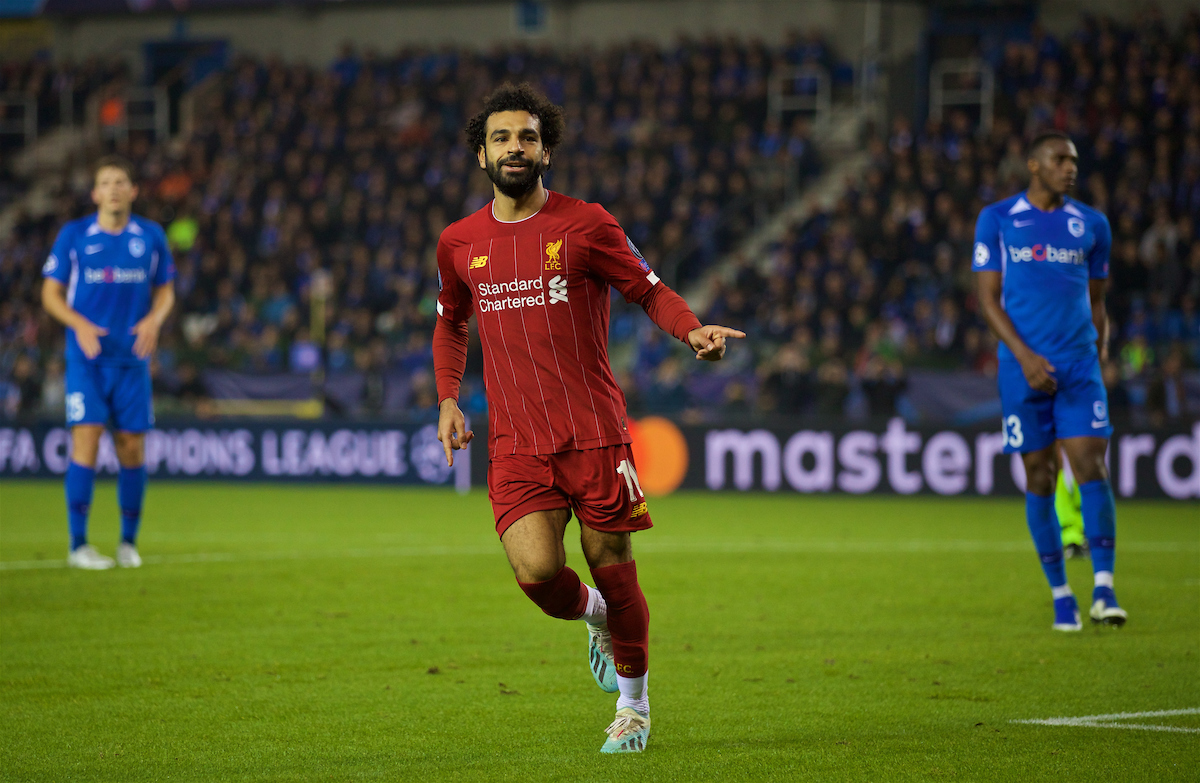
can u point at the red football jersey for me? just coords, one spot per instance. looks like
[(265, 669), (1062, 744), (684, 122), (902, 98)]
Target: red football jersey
[(540, 289)]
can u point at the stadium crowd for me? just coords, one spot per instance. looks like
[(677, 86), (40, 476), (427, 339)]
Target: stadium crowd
[(355, 170), (291, 173), (853, 296), (60, 94)]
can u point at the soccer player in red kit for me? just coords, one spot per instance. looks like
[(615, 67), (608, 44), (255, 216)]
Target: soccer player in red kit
[(535, 268)]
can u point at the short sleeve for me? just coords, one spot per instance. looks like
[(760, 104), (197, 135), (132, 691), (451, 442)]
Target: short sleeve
[(987, 243), (616, 260), (454, 301), (1098, 257), (58, 263), (164, 268)]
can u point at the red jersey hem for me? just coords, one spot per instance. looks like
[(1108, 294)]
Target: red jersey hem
[(568, 445)]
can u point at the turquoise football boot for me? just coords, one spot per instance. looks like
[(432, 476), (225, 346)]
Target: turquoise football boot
[(628, 733), (600, 657)]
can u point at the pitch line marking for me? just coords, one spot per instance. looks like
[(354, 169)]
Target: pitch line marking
[(1110, 721), (666, 546), (236, 557)]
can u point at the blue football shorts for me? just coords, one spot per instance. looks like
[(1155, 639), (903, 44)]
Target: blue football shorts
[(1033, 420), (104, 393)]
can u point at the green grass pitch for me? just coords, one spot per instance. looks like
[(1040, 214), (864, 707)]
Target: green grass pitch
[(350, 633)]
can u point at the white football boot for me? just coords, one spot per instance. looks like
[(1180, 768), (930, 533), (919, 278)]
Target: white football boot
[(86, 557), (127, 556)]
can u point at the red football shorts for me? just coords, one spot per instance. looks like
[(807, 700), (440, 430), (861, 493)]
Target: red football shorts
[(599, 485)]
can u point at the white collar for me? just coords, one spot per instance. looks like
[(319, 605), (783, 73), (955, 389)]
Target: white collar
[(522, 220)]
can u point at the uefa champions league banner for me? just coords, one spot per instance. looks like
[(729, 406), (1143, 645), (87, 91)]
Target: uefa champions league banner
[(773, 456), (291, 451)]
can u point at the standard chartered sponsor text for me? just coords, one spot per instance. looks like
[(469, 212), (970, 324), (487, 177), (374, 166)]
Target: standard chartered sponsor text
[(488, 291)]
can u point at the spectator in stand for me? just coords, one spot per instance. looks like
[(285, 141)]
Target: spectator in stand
[(895, 251)]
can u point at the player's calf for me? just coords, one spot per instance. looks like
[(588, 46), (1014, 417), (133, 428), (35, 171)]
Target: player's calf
[(131, 494), (1099, 519), (565, 597), (562, 595), (80, 482), (629, 623)]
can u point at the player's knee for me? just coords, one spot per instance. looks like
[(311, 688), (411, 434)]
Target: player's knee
[(1040, 483), (605, 549), (131, 450), (537, 569), (1092, 469), (1040, 476), (85, 444)]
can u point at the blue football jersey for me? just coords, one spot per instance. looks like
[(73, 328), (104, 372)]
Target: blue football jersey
[(1046, 260), (110, 279)]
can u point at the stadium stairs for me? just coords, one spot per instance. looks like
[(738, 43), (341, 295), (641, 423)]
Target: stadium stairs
[(839, 144), (45, 166)]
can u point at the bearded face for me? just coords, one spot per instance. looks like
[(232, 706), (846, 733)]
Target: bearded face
[(514, 175)]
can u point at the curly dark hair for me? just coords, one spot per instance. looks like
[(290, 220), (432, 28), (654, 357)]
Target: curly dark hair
[(518, 97)]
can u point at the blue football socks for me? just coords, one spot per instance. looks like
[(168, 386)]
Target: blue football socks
[(1100, 523), (1047, 538), (80, 482), (131, 491)]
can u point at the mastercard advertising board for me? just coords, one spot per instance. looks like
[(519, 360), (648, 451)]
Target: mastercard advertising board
[(892, 457), (889, 457)]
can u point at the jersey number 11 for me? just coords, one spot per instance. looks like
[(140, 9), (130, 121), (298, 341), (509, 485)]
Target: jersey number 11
[(625, 468)]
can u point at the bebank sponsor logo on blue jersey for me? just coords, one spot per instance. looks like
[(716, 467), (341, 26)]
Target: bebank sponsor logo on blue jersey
[(114, 274), (1047, 252)]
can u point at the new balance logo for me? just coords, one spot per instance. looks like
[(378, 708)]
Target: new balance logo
[(478, 262), (557, 286)]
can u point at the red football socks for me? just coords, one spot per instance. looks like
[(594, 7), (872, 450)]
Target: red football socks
[(628, 617), (562, 595)]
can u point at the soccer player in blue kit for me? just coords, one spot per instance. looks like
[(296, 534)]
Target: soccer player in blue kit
[(109, 281), (1041, 260)]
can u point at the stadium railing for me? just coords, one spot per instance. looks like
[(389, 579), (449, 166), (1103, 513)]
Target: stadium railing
[(27, 125), (975, 85)]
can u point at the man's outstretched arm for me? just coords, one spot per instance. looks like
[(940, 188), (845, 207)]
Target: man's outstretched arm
[(671, 313)]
